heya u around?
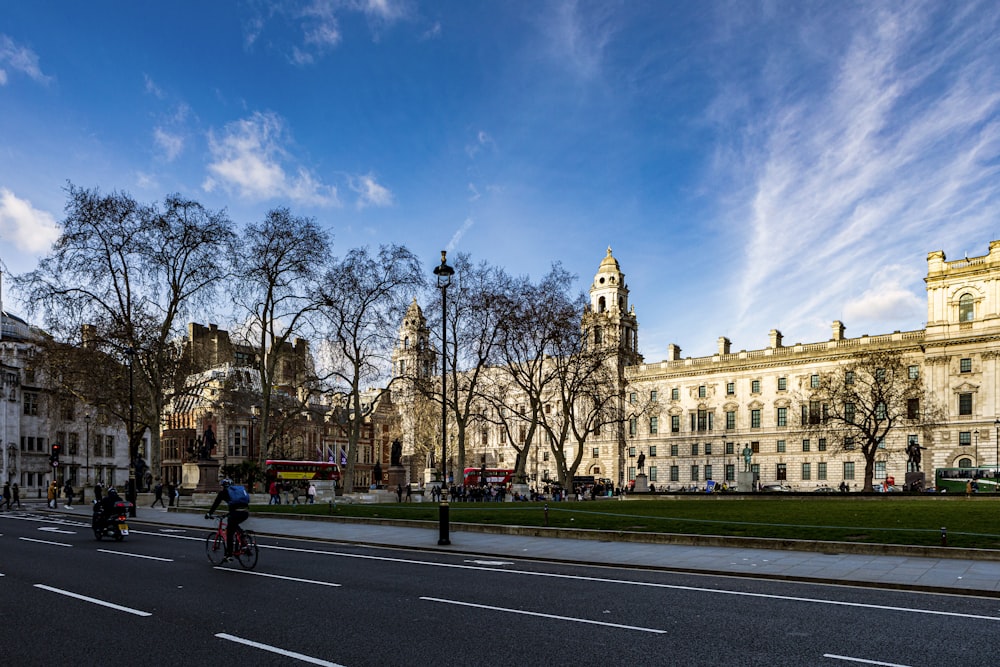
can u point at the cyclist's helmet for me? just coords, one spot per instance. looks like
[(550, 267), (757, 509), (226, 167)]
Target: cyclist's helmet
[(112, 489), (225, 482)]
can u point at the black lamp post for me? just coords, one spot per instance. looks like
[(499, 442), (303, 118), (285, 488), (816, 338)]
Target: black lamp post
[(975, 434), (86, 443), (130, 490), (253, 422), (444, 274)]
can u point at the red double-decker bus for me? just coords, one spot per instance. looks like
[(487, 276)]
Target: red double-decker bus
[(473, 476)]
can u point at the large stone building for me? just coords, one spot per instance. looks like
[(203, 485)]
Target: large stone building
[(695, 415), (35, 416)]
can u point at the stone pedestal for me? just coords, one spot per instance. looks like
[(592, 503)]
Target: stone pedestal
[(519, 488), (641, 483), (395, 477), (746, 482), (200, 477), (915, 481), (432, 476)]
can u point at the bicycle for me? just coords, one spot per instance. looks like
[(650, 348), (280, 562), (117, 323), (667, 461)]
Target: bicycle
[(244, 545)]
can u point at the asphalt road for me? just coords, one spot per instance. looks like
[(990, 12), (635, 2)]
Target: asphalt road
[(154, 599)]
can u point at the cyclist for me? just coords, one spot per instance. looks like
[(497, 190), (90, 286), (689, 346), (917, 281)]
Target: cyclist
[(237, 499)]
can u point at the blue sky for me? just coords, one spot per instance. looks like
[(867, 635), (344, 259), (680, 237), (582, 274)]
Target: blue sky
[(752, 165)]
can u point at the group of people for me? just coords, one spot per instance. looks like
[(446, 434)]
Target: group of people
[(11, 496), (276, 490)]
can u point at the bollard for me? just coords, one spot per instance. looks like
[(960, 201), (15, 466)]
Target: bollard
[(546, 515), (944, 536)]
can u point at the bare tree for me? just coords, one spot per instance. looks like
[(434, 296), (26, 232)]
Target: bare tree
[(127, 274), (864, 401), (280, 262), (478, 303), (535, 329), (362, 299)]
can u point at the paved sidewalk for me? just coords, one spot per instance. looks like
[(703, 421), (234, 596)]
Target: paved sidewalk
[(962, 576)]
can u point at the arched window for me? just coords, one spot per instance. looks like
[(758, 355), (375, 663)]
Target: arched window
[(598, 335), (601, 305), (406, 343), (965, 463), (966, 309)]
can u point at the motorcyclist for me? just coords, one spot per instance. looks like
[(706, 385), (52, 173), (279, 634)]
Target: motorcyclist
[(237, 514), (107, 505)]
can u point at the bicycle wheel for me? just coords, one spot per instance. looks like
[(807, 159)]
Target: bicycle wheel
[(247, 552), (215, 548)]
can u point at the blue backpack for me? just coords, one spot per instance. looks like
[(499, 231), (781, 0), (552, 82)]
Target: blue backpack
[(238, 496)]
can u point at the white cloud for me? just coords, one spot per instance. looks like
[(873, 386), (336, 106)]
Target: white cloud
[(29, 229), (152, 88), (890, 141), (459, 233), (21, 59), (370, 193), (482, 140), (248, 157), (170, 144), (473, 192)]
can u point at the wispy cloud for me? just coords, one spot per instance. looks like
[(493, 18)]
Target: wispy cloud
[(459, 233), (577, 38), (169, 143), (482, 141), (19, 59), (865, 164), (152, 88), (317, 23), (31, 230), (370, 193), (248, 157)]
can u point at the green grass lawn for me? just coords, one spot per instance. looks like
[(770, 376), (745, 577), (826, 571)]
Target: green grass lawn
[(879, 519)]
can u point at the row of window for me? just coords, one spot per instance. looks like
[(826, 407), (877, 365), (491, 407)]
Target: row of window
[(101, 445), (706, 472)]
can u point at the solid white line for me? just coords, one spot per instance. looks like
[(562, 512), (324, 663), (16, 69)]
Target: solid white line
[(279, 651), (625, 582), (58, 544), (94, 600), (126, 553), (278, 576), (863, 661), (553, 616)]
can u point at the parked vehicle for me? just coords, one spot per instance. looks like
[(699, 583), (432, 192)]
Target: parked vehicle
[(824, 489), (776, 488)]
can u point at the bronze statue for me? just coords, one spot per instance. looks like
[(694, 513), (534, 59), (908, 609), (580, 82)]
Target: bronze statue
[(747, 455), (642, 461), (396, 453)]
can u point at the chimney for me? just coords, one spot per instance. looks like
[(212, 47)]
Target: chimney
[(673, 352), (775, 337), (838, 330), (724, 345)]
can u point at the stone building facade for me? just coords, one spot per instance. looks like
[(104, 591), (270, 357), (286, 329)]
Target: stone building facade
[(691, 417)]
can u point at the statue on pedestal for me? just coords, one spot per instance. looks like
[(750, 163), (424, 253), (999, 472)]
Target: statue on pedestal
[(747, 455)]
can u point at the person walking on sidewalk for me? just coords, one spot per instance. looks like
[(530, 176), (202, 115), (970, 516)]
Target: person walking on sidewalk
[(51, 494), (6, 495), (311, 494), (68, 490), (17, 495), (158, 495)]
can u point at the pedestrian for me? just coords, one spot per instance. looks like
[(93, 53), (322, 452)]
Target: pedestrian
[(51, 494), (409, 494), (68, 490), (295, 494), (158, 495), (17, 495), (311, 493), (171, 491), (6, 495), (272, 491), (399, 493)]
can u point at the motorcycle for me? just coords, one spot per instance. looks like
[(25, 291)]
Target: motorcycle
[(114, 525)]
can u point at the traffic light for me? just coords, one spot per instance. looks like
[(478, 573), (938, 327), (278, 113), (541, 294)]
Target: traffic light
[(54, 456)]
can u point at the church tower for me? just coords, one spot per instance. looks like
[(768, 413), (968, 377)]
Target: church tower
[(413, 365), (609, 320)]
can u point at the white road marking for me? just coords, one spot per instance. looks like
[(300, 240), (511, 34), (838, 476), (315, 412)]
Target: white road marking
[(863, 661), (110, 605), (58, 544), (126, 553), (279, 651), (489, 562), (540, 615), (57, 530), (279, 576), (626, 582), (172, 530)]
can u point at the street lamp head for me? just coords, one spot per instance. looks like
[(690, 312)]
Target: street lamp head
[(444, 272)]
